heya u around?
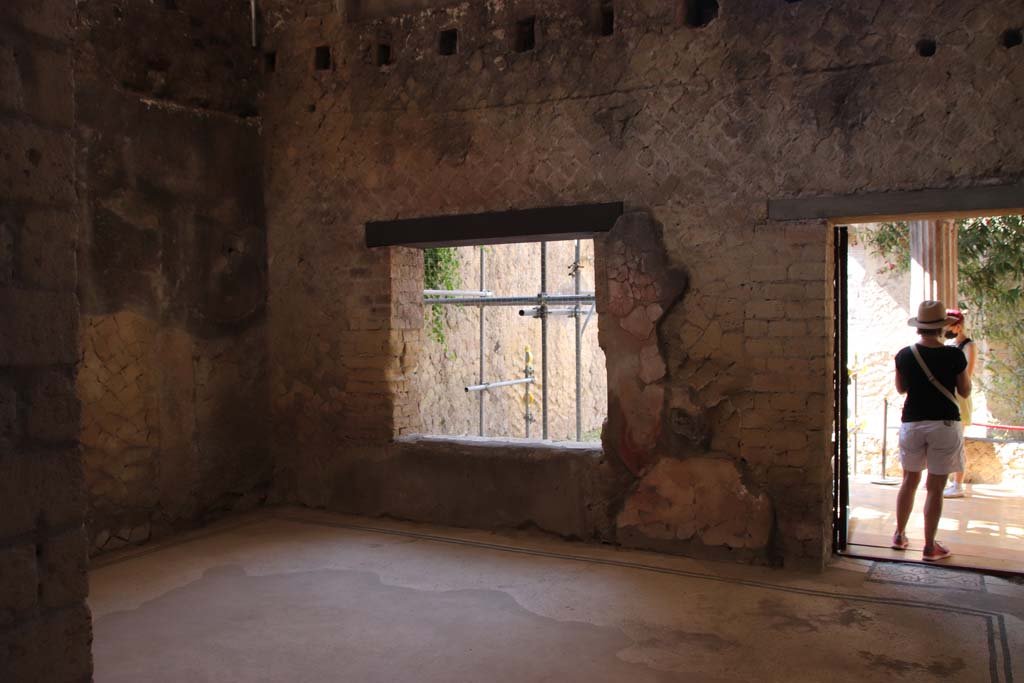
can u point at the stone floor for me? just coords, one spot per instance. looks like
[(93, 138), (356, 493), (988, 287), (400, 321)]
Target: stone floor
[(983, 529), (292, 595)]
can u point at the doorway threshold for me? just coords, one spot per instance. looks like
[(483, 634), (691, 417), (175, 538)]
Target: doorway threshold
[(988, 565)]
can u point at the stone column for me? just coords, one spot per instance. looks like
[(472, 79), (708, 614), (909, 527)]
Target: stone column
[(933, 262)]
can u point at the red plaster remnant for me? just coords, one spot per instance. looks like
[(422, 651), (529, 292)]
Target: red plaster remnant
[(641, 287), (703, 500)]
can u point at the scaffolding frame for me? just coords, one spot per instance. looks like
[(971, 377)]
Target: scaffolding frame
[(541, 307)]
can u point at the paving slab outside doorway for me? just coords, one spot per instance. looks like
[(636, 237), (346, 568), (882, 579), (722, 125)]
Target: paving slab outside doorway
[(985, 529), (295, 595)]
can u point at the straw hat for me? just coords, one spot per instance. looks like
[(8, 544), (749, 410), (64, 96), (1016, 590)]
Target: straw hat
[(931, 315)]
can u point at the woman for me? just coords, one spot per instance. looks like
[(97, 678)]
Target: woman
[(931, 436), (960, 340)]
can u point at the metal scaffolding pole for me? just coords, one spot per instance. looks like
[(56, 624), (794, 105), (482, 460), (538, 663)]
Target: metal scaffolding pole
[(527, 398), (579, 342), (537, 312), (494, 385), (549, 299), (544, 339), (457, 292), (480, 378)]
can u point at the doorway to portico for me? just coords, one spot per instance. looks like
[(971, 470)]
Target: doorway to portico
[(883, 270)]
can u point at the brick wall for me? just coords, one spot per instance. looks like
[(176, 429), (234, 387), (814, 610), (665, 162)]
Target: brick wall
[(45, 632), (695, 129), (173, 267)]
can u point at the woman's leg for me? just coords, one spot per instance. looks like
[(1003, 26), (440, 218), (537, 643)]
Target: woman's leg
[(933, 507), (905, 499)]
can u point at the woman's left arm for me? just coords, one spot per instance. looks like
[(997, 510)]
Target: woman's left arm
[(971, 351)]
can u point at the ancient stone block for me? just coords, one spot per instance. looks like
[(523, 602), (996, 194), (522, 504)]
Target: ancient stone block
[(49, 18), (18, 588), (54, 412), (46, 256), (9, 428), (63, 570), (60, 486), (10, 79), (807, 271), (53, 647), (39, 164), (37, 81), (8, 259), (47, 482), (17, 481), (40, 327)]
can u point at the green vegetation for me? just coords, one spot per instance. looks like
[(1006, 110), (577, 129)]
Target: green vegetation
[(991, 285), (440, 271)]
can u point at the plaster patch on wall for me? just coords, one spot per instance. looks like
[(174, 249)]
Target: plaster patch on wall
[(701, 499), (638, 287)]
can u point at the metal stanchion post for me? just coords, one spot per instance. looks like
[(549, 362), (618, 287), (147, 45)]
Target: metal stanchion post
[(884, 480)]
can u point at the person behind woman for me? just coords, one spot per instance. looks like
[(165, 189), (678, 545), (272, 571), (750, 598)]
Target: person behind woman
[(931, 435), (960, 340)]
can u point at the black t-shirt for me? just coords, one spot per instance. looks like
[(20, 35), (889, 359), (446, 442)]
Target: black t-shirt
[(924, 401)]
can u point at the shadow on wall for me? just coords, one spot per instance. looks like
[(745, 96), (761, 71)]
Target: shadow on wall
[(173, 270)]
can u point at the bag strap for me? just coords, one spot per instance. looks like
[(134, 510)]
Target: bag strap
[(931, 378)]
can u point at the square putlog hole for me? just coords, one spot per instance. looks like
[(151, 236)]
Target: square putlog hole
[(322, 58), (607, 19), (270, 62), (526, 38), (383, 54), (448, 42), (699, 13)]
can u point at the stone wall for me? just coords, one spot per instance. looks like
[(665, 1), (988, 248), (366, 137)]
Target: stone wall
[(695, 128), (45, 633), (445, 369), (173, 266)]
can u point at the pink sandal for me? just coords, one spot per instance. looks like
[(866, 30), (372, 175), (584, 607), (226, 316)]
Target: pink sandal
[(938, 552), (900, 541)]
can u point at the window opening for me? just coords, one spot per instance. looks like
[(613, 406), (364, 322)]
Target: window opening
[(547, 402)]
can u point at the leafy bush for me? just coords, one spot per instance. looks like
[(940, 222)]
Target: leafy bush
[(440, 271)]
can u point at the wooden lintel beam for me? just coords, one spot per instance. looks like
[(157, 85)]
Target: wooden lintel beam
[(496, 227), (917, 204)]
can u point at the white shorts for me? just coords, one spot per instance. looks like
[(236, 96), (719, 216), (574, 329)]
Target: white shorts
[(934, 445)]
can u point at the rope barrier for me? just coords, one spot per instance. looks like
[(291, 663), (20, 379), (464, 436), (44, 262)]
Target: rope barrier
[(1012, 428)]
